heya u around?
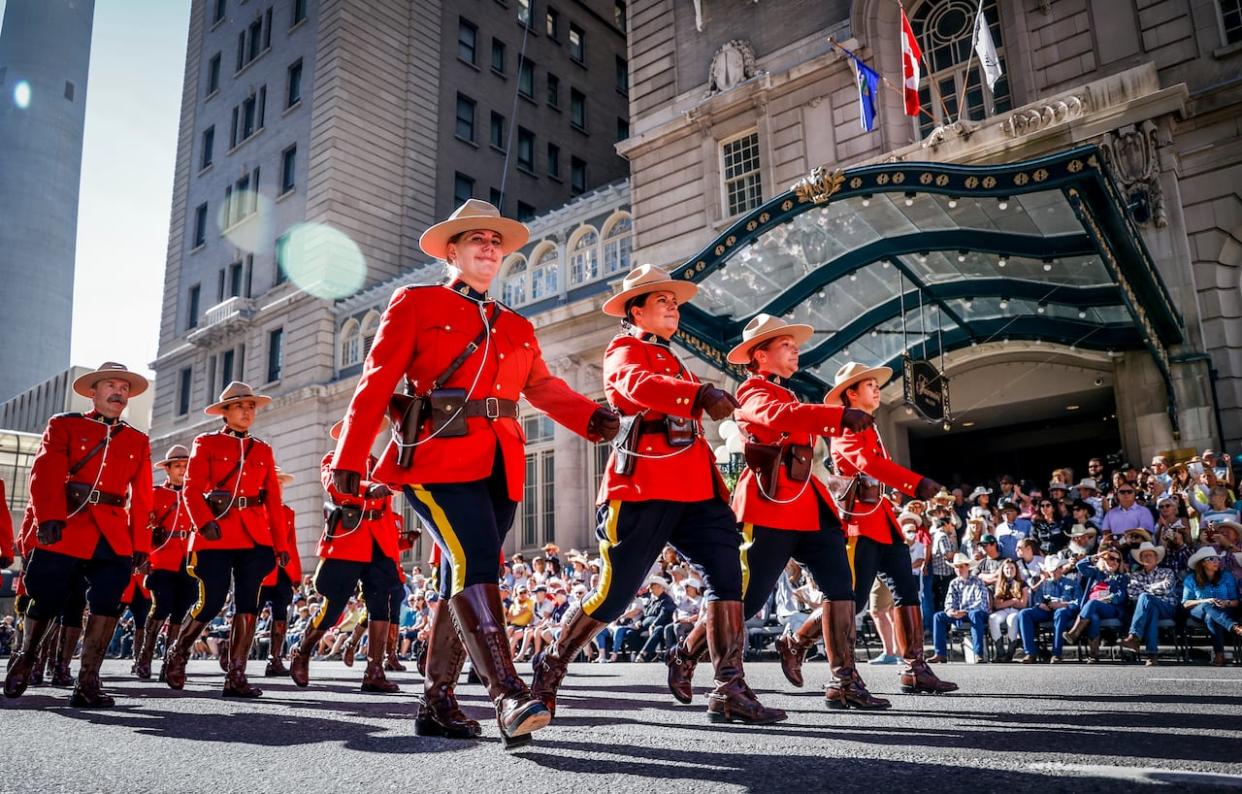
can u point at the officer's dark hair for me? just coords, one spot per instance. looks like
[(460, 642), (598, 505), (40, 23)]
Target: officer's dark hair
[(752, 365), (845, 395), (637, 301)]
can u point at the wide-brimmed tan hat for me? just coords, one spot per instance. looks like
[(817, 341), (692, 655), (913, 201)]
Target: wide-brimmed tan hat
[(177, 452), (1082, 530), (763, 328), (910, 518), (474, 214), (335, 432), (1148, 546), (943, 496), (236, 392), (1088, 483), (962, 559), (1144, 535), (852, 373), (1227, 524), (644, 279), (110, 370)]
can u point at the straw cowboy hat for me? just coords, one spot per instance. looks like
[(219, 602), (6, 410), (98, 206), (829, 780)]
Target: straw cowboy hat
[(83, 384), (852, 373), (943, 497), (1227, 524), (1144, 535), (962, 559), (335, 432), (979, 491), (644, 279), (1147, 546), (236, 392), (1080, 530), (1201, 555), (1088, 483), (909, 518), (175, 453), (764, 328), (474, 214)]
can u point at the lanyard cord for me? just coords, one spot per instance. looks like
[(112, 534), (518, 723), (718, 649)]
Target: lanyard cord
[(98, 474)]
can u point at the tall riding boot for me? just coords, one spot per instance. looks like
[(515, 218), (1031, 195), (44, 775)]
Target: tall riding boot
[(95, 640), (48, 657), (140, 634), (684, 658), (222, 652), (551, 664), (66, 646), (374, 680), (170, 639), (351, 645), (479, 616), (144, 652), (917, 676), (732, 699), (392, 662), (179, 653), (438, 711), (242, 634), (793, 646), (300, 657), (276, 651), (22, 664), (846, 688)]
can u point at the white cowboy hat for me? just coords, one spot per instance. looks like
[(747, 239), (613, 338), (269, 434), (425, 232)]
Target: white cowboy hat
[(1200, 555), (695, 583), (1052, 562), (644, 279), (962, 559), (909, 518), (979, 491), (1079, 530), (1058, 486), (1227, 524), (474, 214), (177, 452), (851, 373), (1147, 546), (83, 384), (660, 580), (1088, 483), (236, 392), (763, 328)]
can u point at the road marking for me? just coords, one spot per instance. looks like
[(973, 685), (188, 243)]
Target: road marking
[(1143, 774), (1201, 680)]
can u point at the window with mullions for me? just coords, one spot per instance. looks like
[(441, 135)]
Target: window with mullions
[(945, 30), (513, 293), (1231, 20), (743, 186)]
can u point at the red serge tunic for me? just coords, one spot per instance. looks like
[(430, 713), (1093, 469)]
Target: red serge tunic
[(864, 452), (772, 414), (355, 545), (168, 510), (136, 585), (122, 468), (214, 466), (294, 569), (422, 331)]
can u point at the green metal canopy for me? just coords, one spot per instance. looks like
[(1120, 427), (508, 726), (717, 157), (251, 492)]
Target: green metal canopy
[(922, 257)]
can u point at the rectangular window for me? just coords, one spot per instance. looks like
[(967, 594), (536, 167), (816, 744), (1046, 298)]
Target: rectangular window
[(200, 225), (554, 160), (467, 41), (525, 211), (184, 383), (524, 12), (293, 90), (577, 44), (548, 502), (267, 28), (553, 24), (256, 40), (577, 109), (241, 51), (209, 146), (288, 169), (250, 116), (219, 11), (498, 56), (299, 12), (526, 78), (233, 129), (554, 91), (220, 286), (1231, 20), (463, 189), (530, 502), (526, 149), (619, 15), (275, 354), (740, 170), (623, 128), (498, 130), (278, 259), (577, 176), (623, 76), (226, 368), (213, 74), (465, 118), (235, 279), (192, 310), (262, 104), (496, 198)]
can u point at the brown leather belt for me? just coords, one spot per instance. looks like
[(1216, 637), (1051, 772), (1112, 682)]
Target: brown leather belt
[(90, 496), (372, 515), (242, 502), (492, 408), (179, 533)]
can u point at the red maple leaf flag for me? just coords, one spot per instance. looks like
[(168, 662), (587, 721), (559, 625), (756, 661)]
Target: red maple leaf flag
[(910, 57)]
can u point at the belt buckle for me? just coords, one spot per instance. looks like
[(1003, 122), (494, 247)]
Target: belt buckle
[(242, 503), (93, 497), (492, 405)]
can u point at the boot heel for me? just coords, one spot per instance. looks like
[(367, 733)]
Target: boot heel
[(529, 720), (837, 705), (515, 742), (426, 727)]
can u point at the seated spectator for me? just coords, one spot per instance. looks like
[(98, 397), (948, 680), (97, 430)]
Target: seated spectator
[(1132, 540), (519, 617), (988, 566), (1223, 536), (1029, 561), (1081, 542), (1055, 599), (967, 602), (1211, 596), (1009, 597), (1058, 491), (1104, 586), (1128, 514), (1152, 591), (1216, 509), (1089, 492), (687, 614), (657, 614)]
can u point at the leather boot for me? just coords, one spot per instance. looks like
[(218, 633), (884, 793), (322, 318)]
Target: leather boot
[(178, 653), (300, 657), (48, 657), (95, 639), (438, 711), (732, 699), (793, 646), (170, 638), (846, 689), (478, 613), (917, 675), (1071, 636), (23, 662), (351, 645), (144, 652), (140, 633), (551, 664), (374, 680), (240, 637), (67, 644), (222, 652), (684, 658), (276, 650), (392, 662)]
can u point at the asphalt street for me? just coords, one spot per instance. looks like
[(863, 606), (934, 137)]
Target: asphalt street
[(1011, 727)]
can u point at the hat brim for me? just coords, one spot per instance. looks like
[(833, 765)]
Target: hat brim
[(83, 384), (681, 289), (217, 408), (434, 241), (740, 354), (1088, 533), (166, 461), (882, 375), (1158, 550)]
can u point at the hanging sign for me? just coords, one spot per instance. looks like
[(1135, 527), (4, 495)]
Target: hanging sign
[(926, 389)]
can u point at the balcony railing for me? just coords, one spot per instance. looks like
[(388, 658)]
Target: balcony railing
[(229, 315)]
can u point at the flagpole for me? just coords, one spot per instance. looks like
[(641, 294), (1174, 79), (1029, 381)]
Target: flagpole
[(887, 83), (974, 34), (923, 58)]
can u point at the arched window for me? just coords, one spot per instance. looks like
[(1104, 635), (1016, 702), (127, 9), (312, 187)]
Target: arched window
[(351, 344), (584, 261), (370, 324), (543, 274), (618, 243), (513, 291), (945, 30)]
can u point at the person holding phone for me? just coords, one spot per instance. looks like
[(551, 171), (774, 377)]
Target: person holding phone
[(1105, 587), (1211, 596)]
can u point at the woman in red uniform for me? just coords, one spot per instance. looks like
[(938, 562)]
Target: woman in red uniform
[(173, 590), (279, 585), (233, 497)]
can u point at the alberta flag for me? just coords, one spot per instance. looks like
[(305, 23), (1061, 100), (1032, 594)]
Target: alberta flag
[(868, 85)]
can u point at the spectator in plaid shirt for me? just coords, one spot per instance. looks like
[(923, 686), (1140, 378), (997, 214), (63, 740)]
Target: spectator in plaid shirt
[(944, 546), (968, 601), (1152, 591)]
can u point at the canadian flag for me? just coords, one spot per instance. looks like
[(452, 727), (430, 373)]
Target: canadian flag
[(910, 57)]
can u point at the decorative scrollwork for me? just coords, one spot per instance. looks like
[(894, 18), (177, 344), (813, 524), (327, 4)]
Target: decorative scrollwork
[(819, 186)]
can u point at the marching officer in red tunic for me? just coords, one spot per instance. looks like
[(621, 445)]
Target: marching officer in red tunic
[(233, 497), (279, 585), (785, 511), (91, 489), (664, 489), (471, 359), (173, 590)]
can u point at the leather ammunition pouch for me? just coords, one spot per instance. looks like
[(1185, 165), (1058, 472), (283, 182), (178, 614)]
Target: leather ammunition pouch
[(766, 460), (222, 502)]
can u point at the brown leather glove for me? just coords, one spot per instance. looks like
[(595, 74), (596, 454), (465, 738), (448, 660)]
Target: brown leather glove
[(346, 481), (927, 488), (142, 562), (282, 558), (378, 491), (604, 423), (855, 420), (716, 403), (50, 532), (210, 531)]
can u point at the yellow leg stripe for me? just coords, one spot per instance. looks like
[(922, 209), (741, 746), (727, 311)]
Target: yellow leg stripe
[(323, 606), (457, 555), (850, 543), (605, 565), (202, 588), (748, 540)]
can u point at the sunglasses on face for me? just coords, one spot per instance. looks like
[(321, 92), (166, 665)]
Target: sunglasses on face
[(1045, 504), (1124, 491)]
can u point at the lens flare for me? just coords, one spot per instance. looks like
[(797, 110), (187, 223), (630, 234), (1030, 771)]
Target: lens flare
[(21, 94), (246, 220), (323, 261)]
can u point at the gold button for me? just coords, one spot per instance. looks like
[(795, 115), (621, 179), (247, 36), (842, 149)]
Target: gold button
[(497, 387), (502, 355), (448, 327), (648, 449)]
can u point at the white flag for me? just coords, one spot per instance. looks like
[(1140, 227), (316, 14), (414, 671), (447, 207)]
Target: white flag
[(986, 49)]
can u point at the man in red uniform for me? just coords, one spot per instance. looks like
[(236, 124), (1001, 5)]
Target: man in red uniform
[(466, 475), (173, 590), (671, 493), (91, 489), (279, 585)]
